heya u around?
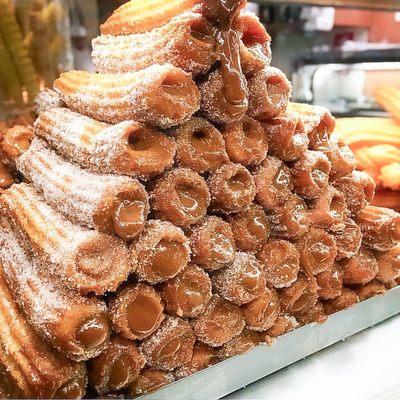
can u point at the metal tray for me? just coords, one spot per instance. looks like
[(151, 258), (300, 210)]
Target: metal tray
[(237, 372)]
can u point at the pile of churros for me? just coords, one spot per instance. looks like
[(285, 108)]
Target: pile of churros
[(175, 209), (376, 145)]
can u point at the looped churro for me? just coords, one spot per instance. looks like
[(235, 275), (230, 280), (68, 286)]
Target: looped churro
[(300, 297), (330, 282), (262, 312), (269, 93), (246, 142), (388, 265), (310, 174), (219, 323), (250, 228), (380, 227), (149, 381), (171, 346), (117, 367), (358, 189), (348, 238), (239, 345), (127, 148), (181, 197), (242, 282), (214, 104), (76, 326), (287, 138), (291, 220), (200, 146), (347, 299), (360, 269), (329, 209), (186, 41), (161, 95), (84, 260), (203, 357), (162, 252), (16, 141), (212, 243), (136, 311), (317, 250), (33, 369), (188, 293), (371, 289), (281, 261), (232, 188), (111, 204), (342, 159)]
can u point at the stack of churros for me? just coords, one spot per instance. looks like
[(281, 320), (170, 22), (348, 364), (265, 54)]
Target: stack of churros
[(175, 209)]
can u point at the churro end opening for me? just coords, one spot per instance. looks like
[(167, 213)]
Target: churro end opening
[(238, 182), (172, 85), (141, 139), (120, 372), (170, 349), (190, 199), (93, 332), (169, 257)]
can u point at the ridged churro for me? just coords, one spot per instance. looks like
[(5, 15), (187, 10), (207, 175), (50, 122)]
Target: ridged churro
[(76, 326), (111, 204), (46, 100), (186, 41), (85, 260), (161, 95), (127, 148), (35, 371)]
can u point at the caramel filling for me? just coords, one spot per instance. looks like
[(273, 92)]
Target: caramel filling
[(129, 217), (281, 179), (170, 349), (169, 257), (257, 226), (189, 198), (222, 248), (120, 373), (275, 89), (250, 278), (143, 314), (238, 182), (202, 141), (191, 293), (93, 332), (320, 176), (73, 389)]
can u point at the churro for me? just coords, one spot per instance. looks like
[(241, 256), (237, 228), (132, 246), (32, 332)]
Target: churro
[(360, 269), (358, 189), (291, 220), (246, 142), (136, 311), (127, 148), (287, 138), (84, 260), (318, 251), (171, 346), (212, 243), (371, 289), (46, 100), (186, 41), (250, 228), (76, 326), (269, 93), (262, 312), (241, 282), (241, 344), (342, 159), (149, 381), (117, 367), (380, 227), (348, 238), (35, 371), (181, 197), (315, 314), (273, 182), (108, 203), (162, 251), (219, 323), (310, 174), (188, 294), (282, 325), (161, 95), (330, 282), (281, 262), (200, 146), (16, 141), (388, 265), (6, 178), (347, 299), (232, 188)]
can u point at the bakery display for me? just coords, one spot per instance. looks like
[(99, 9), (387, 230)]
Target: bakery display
[(175, 210)]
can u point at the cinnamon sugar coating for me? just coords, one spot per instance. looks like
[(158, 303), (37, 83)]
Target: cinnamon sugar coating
[(388, 265), (342, 159), (200, 146), (330, 282), (371, 289), (46, 100), (181, 197), (241, 344), (348, 238), (282, 325), (212, 243), (149, 381), (315, 314), (347, 299), (171, 346)]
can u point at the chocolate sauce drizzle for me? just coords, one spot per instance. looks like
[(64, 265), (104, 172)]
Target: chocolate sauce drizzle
[(223, 13)]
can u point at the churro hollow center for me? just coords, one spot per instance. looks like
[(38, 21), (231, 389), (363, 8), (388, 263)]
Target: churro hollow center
[(142, 140), (93, 332), (168, 258), (173, 86), (250, 278), (170, 349), (191, 200), (257, 225), (120, 373), (143, 314), (254, 35), (238, 182), (202, 140), (190, 292), (337, 206)]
